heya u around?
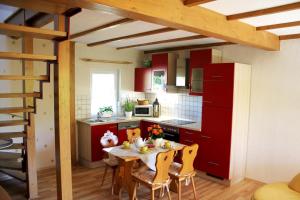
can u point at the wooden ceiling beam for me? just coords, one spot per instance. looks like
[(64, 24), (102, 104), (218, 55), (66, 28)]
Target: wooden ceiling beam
[(195, 2), (147, 33), (195, 37), (266, 11), (289, 37), (275, 26), (169, 13), (102, 27), (199, 46)]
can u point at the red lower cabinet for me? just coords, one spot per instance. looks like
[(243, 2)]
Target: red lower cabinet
[(122, 136), (214, 156), (189, 137), (96, 133)]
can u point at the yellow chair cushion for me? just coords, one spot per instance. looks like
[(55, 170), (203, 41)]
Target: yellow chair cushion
[(295, 183), (276, 191)]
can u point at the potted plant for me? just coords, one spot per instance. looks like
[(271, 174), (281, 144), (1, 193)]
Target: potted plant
[(156, 133), (105, 111), (128, 108)]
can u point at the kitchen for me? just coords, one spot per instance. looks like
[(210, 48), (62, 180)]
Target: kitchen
[(133, 76)]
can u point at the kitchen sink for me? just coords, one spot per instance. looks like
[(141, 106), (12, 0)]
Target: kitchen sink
[(109, 119)]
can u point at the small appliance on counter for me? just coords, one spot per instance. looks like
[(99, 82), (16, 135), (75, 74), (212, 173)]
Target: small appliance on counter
[(143, 110), (156, 108)]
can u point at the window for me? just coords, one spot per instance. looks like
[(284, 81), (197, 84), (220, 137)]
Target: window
[(104, 90)]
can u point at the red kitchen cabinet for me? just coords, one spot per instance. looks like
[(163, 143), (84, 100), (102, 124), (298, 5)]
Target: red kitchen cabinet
[(198, 60), (218, 85), (96, 133), (122, 136), (142, 79), (225, 116), (214, 157), (189, 137), (160, 61)]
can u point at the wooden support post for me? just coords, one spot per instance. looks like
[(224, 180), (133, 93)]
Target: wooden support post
[(28, 87), (72, 103), (62, 106)]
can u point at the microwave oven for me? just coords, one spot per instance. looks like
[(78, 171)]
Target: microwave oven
[(143, 110)]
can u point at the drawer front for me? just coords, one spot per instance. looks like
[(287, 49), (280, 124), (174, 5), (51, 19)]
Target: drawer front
[(219, 72), (97, 132), (217, 122), (214, 157)]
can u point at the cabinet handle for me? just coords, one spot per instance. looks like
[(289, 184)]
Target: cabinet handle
[(189, 141), (205, 136), (213, 163), (207, 101), (111, 127), (189, 133), (217, 76)]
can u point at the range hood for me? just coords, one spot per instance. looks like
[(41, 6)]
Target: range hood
[(182, 72)]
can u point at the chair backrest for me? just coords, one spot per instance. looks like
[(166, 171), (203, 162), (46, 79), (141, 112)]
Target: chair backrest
[(163, 163), (132, 134), (189, 154)]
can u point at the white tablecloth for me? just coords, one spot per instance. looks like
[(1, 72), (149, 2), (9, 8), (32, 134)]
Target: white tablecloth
[(148, 158)]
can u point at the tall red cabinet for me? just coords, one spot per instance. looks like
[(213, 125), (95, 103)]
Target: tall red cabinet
[(225, 116)]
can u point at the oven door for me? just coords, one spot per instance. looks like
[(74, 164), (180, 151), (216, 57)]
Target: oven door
[(171, 136)]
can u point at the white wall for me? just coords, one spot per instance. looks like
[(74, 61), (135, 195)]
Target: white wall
[(274, 137)]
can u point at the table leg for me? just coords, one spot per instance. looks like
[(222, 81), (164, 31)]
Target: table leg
[(124, 179)]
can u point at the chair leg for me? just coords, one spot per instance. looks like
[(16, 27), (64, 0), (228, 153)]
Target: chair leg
[(113, 180), (179, 190), (194, 188), (104, 175), (134, 197), (152, 194), (169, 195)]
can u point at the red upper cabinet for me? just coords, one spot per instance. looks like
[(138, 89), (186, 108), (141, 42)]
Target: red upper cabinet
[(198, 59), (160, 61), (218, 85), (163, 71), (96, 133), (142, 79)]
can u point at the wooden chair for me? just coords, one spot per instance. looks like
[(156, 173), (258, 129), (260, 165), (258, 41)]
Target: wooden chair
[(132, 134), (110, 162), (185, 171), (155, 180)]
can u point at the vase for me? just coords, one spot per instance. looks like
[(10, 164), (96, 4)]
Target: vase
[(158, 142), (128, 114)]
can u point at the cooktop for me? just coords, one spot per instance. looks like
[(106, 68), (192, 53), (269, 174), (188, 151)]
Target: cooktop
[(177, 122)]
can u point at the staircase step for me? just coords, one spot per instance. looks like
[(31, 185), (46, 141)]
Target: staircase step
[(25, 56), (14, 146), (20, 95), (9, 135), (19, 31), (16, 110), (18, 174), (13, 123), (10, 156), (11, 164), (16, 77)]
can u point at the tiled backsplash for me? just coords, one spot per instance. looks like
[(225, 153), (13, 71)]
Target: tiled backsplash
[(174, 105), (178, 105)]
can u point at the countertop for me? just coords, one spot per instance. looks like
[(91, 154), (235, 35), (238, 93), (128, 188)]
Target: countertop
[(193, 126)]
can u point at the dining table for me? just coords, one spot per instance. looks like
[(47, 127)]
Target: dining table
[(128, 157)]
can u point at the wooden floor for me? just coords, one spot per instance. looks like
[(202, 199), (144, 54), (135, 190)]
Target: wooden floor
[(86, 186)]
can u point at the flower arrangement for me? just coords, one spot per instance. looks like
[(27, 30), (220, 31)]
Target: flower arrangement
[(155, 131)]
